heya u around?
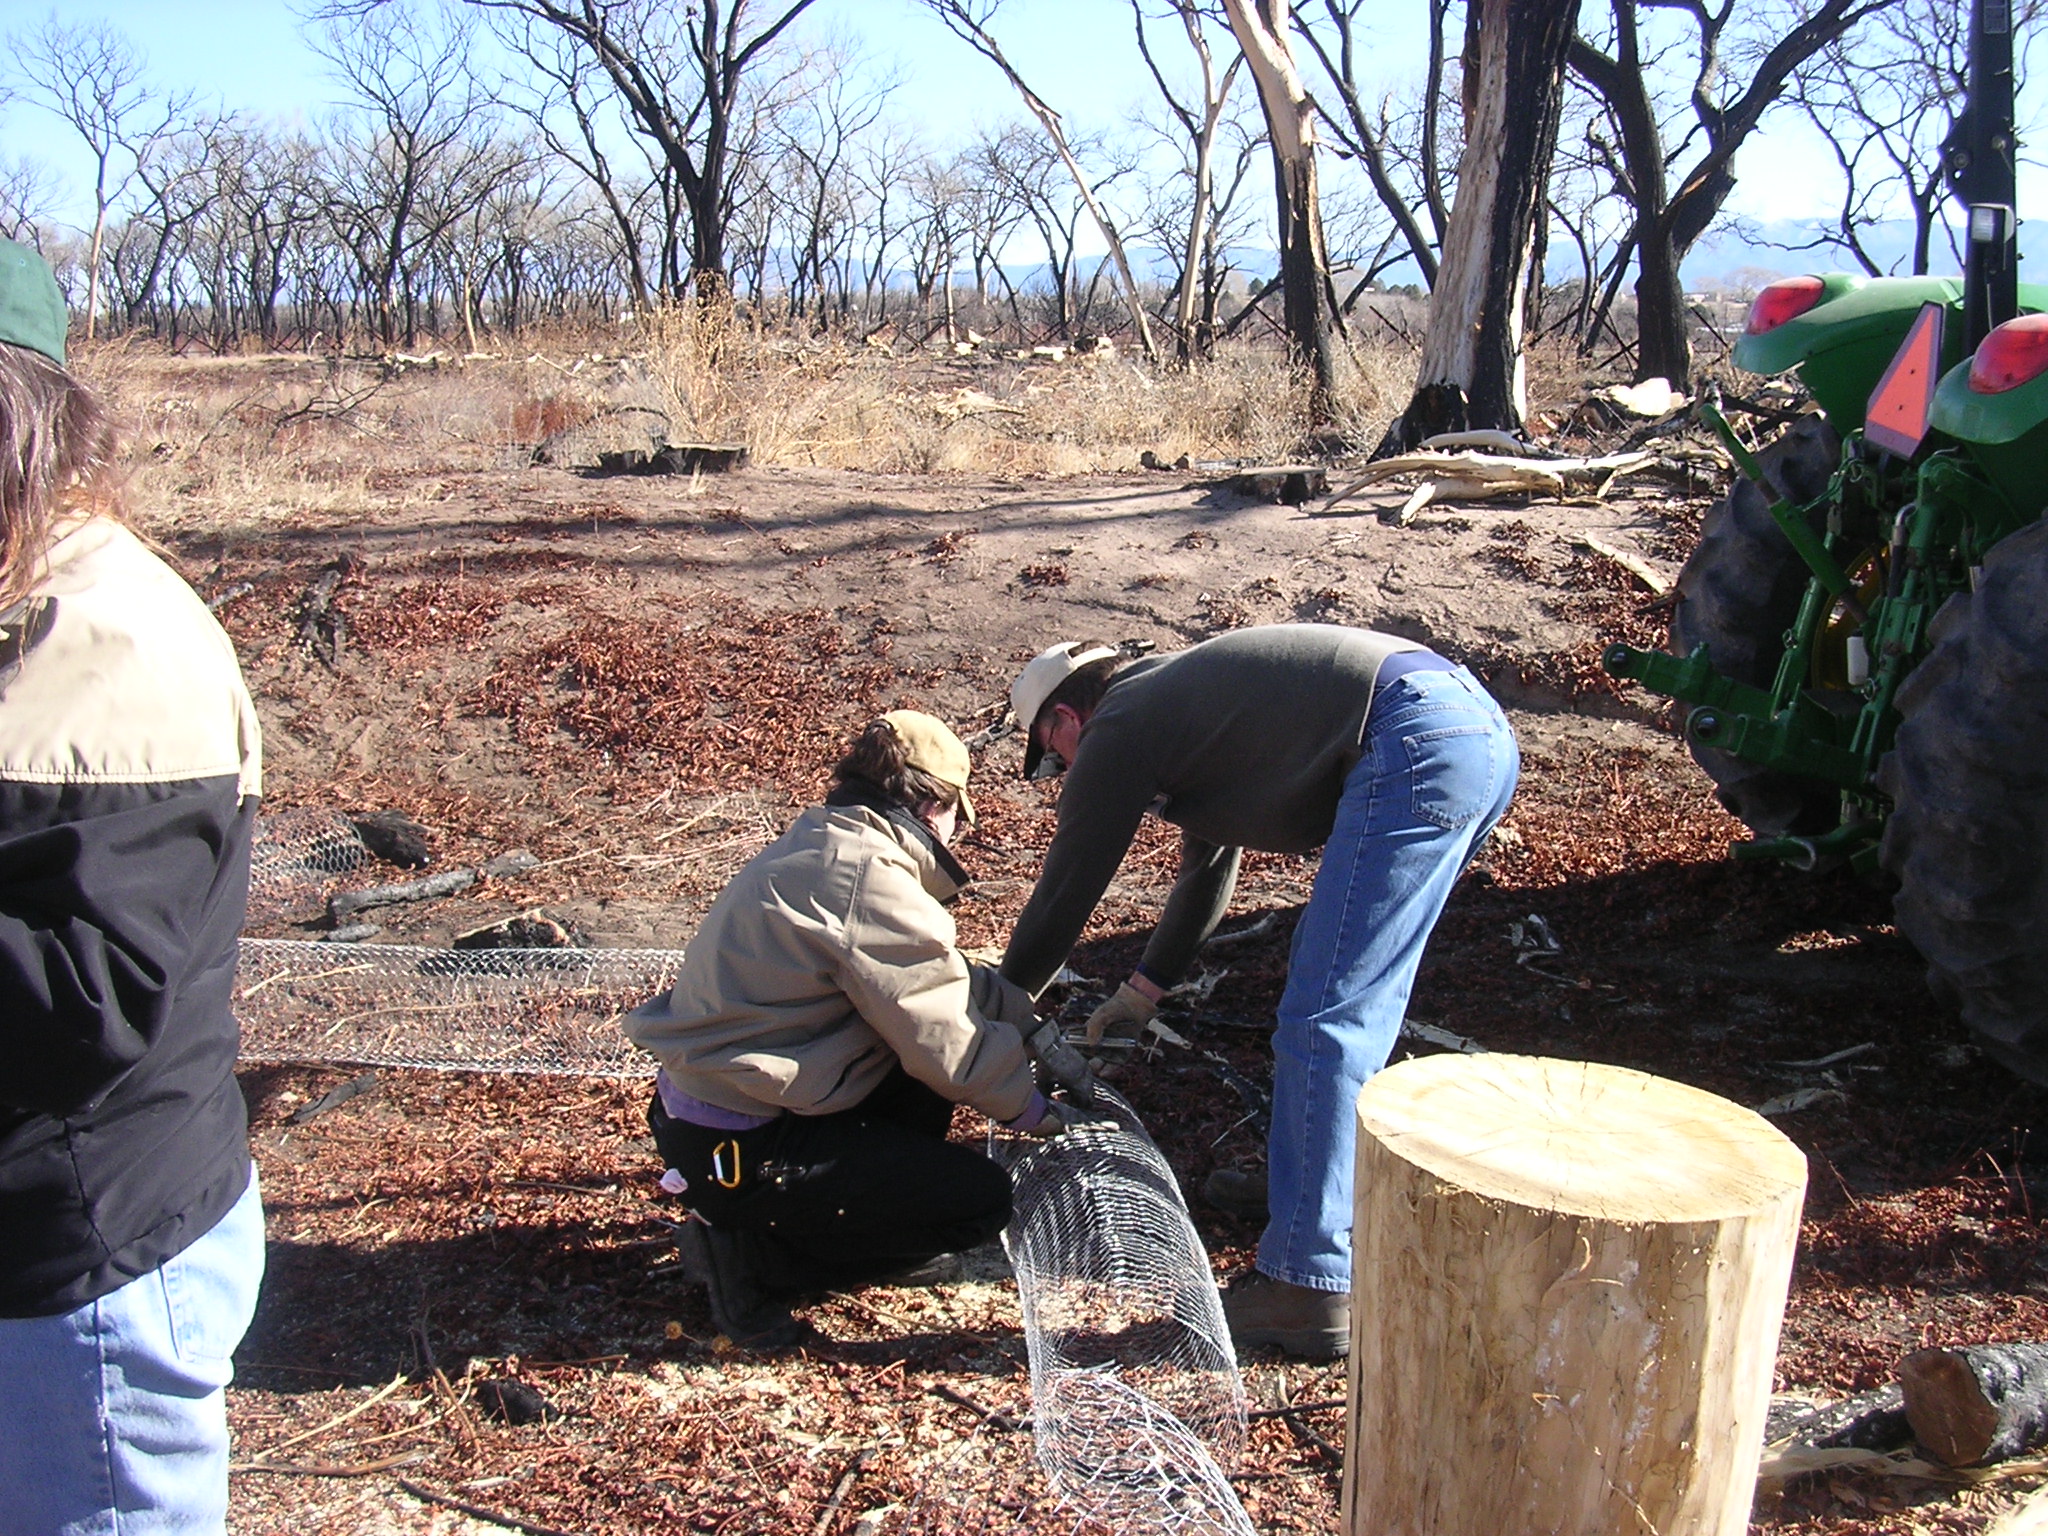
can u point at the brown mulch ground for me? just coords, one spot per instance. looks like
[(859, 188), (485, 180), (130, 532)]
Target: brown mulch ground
[(600, 688)]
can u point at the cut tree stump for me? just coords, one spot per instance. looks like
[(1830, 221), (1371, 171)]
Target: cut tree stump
[(1567, 1282), (1979, 1403)]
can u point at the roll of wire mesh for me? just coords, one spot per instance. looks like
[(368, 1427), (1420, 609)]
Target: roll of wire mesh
[(1137, 1406)]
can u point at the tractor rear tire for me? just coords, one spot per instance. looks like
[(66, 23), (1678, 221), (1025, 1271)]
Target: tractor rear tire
[(1968, 778), (1737, 596)]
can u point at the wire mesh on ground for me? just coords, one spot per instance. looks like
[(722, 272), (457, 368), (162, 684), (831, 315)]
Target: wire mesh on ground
[(1138, 1409), (482, 1010), (297, 858)]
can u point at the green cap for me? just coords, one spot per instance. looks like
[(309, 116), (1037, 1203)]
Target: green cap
[(32, 312)]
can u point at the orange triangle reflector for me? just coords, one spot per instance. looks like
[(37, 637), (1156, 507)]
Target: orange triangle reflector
[(1897, 418)]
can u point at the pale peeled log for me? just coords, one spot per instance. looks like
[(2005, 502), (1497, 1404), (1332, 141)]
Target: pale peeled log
[(1567, 1286)]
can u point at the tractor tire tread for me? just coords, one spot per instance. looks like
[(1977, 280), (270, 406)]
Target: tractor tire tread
[(1967, 839), (1737, 595)]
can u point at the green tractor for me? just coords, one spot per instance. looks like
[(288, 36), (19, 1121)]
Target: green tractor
[(1862, 632)]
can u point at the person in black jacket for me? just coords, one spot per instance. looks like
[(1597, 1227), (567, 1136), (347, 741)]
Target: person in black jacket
[(131, 1233)]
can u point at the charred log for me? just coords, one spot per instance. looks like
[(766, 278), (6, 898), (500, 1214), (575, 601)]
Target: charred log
[(1980, 1403)]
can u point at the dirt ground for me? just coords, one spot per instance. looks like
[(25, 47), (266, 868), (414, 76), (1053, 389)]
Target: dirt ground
[(640, 679)]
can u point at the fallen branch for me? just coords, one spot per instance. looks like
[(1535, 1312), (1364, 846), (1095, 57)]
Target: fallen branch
[(1418, 498), (339, 1419), (1833, 1058), (322, 628), (1781, 1463), (1257, 1103), (1293, 1408), (1635, 565), (2029, 1517), (328, 1468), (448, 883), (1483, 437), (1471, 476), (988, 1415), (839, 1491), (1801, 1098), (1777, 415), (477, 1511), (1436, 1034), (1245, 935), (1307, 1435), (1871, 1421), (335, 1097)]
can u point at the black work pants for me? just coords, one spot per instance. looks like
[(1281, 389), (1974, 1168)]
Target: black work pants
[(831, 1201)]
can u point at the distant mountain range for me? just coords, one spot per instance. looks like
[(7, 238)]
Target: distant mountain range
[(1745, 258), (1734, 260)]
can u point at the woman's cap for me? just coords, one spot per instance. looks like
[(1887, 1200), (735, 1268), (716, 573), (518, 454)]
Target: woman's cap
[(1036, 683), (930, 746), (32, 312)]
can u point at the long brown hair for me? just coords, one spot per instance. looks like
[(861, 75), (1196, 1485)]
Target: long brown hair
[(56, 457), (877, 759)]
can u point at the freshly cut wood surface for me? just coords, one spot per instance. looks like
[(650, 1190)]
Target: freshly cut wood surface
[(1567, 1285), (1580, 1138)]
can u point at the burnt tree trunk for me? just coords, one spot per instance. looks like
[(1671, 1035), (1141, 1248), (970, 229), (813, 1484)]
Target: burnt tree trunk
[(1261, 28), (1663, 331), (1304, 269), (1980, 1403), (1667, 224), (1471, 372)]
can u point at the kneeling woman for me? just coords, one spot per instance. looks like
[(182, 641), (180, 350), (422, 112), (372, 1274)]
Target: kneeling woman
[(820, 1033)]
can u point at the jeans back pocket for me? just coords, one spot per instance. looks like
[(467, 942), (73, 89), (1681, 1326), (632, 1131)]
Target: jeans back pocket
[(1454, 773)]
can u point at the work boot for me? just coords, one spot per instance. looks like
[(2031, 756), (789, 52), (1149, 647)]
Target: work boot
[(1236, 1193), (741, 1307), (1309, 1324), (940, 1269)]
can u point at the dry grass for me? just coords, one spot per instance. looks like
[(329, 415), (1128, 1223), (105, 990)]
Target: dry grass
[(245, 441), (838, 403)]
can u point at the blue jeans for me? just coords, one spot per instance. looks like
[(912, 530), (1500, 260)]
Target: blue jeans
[(113, 1417), (1438, 769)]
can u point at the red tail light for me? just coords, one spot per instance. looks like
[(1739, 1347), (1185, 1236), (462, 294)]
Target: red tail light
[(1786, 299), (2015, 353)]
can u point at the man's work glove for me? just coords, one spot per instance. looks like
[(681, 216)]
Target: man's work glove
[(1114, 1029), (1060, 1062)]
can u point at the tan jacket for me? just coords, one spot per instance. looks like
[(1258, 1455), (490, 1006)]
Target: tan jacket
[(828, 959)]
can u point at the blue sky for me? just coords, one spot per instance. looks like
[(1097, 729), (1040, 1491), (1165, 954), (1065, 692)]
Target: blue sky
[(253, 55), (1076, 53)]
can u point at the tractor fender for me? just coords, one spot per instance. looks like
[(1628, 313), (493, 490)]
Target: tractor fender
[(2005, 417), (1843, 344)]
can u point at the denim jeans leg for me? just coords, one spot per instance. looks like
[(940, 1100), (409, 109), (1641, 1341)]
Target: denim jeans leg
[(113, 1417), (1438, 770)]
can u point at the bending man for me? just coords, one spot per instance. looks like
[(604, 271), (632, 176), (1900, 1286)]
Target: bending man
[(1278, 738)]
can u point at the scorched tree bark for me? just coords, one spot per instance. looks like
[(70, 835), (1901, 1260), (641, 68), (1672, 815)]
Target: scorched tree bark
[(1261, 30), (1667, 224), (1471, 372)]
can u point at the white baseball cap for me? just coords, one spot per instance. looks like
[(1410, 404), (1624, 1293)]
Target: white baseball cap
[(1036, 683)]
